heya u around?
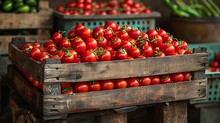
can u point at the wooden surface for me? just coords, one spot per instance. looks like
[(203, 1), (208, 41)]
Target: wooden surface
[(113, 118), (5, 40), (50, 73), (82, 102), (42, 19)]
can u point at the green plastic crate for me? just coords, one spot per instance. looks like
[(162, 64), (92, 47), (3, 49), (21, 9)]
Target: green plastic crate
[(213, 85), (143, 22)]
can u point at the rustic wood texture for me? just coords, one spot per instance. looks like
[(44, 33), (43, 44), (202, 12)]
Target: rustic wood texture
[(25, 89), (5, 40), (50, 73), (42, 19), (175, 112), (113, 118)]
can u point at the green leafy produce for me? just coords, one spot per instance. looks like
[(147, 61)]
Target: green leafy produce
[(193, 8), (7, 5), (31, 2), (23, 9)]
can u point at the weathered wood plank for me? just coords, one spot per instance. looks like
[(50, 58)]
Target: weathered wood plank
[(119, 69), (5, 40), (82, 102), (25, 90), (112, 118), (42, 19), (175, 112)]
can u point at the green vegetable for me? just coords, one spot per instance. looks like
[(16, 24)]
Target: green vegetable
[(23, 9), (33, 10), (175, 9), (7, 6), (31, 2), (212, 10), (188, 9), (18, 4)]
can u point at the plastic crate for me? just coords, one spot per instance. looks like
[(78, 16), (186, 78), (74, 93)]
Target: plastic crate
[(143, 22), (213, 85)]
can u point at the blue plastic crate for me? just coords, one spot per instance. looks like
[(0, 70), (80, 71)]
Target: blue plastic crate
[(143, 22), (213, 85)]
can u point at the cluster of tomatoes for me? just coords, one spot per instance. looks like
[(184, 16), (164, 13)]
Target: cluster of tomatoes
[(113, 7), (104, 43), (70, 88), (214, 65)]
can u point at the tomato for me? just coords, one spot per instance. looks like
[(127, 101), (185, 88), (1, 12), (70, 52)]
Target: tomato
[(134, 33), (108, 34), (177, 77), (52, 50), (48, 44), (129, 2), (64, 43), (87, 7), (85, 33), (54, 57), (183, 45), (147, 51), (102, 42), (98, 31), (156, 41), (126, 45), (65, 85), (78, 28), (94, 86), (60, 54), (123, 35), (115, 42), (146, 11), (121, 83), (79, 5), (74, 13), (136, 5), (107, 84), (80, 46), (80, 1), (70, 4), (72, 34), (159, 54), (56, 37), (162, 33), (186, 76), (167, 39), (165, 79), (42, 56), (152, 33), (144, 81), (37, 45), (214, 64), (133, 82), (188, 52), (77, 60), (81, 87), (68, 57), (168, 49), (36, 84), (34, 53), (88, 56), (26, 48), (155, 80), (217, 57), (91, 43), (104, 55), (134, 52), (87, 1), (121, 54), (66, 12), (110, 24), (68, 90)]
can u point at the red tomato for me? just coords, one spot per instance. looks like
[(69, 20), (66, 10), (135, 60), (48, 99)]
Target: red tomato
[(26, 46), (56, 37), (37, 45), (144, 81), (52, 50), (147, 51), (60, 8), (162, 33), (113, 55), (102, 42), (88, 56), (85, 33), (183, 45), (217, 57), (94, 86), (79, 6), (74, 53), (81, 87), (134, 33), (181, 51), (156, 41), (167, 39), (123, 35), (126, 45), (133, 82), (48, 44), (42, 56), (87, 7), (78, 28), (91, 43), (65, 85), (155, 80), (60, 54), (98, 32), (64, 43), (159, 54), (87, 1), (165, 79), (121, 54), (115, 42), (152, 33), (186, 76), (121, 83), (108, 33), (110, 24), (134, 52), (188, 52), (109, 48), (34, 53), (168, 49), (68, 57), (70, 4), (177, 77), (80, 47), (104, 55), (68, 90), (72, 34), (54, 57), (214, 64), (107, 85)]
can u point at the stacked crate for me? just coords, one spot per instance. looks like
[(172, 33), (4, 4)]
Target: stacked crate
[(108, 106)]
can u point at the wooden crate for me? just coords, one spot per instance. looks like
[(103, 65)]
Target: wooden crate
[(52, 105)]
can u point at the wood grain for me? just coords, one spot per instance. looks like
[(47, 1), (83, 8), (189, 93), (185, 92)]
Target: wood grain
[(113, 118)]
